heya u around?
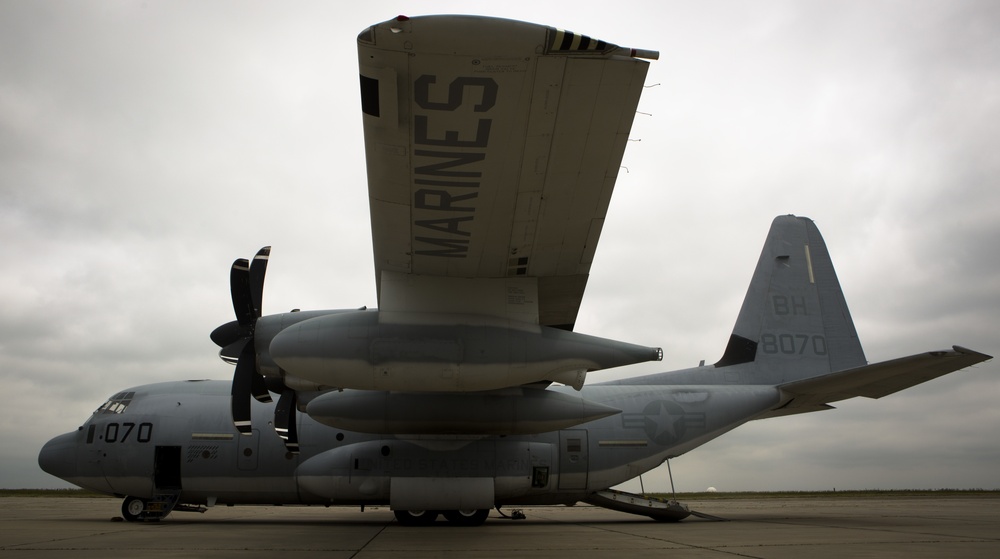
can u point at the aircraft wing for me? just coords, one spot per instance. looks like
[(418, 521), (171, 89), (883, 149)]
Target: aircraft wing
[(492, 151), (873, 381)]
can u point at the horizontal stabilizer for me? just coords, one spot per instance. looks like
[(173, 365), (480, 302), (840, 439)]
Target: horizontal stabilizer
[(873, 381)]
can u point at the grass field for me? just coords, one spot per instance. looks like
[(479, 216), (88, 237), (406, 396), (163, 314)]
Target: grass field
[(78, 493)]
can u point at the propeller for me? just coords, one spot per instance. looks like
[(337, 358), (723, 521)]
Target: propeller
[(236, 338), (284, 420)]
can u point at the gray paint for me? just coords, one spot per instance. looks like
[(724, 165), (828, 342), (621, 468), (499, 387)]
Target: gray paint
[(429, 352), (513, 411), (662, 416)]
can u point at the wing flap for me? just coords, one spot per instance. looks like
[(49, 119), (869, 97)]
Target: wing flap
[(511, 298)]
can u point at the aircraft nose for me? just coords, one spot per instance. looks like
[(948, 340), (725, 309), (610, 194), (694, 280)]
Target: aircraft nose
[(58, 456)]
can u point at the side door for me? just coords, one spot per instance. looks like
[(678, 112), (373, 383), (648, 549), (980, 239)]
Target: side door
[(167, 468)]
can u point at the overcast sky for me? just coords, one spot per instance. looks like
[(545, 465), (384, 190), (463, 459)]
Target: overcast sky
[(144, 146)]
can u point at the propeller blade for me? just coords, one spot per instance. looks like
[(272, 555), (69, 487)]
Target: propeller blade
[(246, 283), (275, 384), (239, 286), (231, 353), (242, 386), (229, 333), (284, 420), (257, 270), (258, 388)]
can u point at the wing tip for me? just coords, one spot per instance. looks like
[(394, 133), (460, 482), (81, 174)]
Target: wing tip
[(973, 355)]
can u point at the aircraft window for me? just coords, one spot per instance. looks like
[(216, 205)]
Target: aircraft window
[(116, 404), (540, 476), (369, 96), (573, 445)]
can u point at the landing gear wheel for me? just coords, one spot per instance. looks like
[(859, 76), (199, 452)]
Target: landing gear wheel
[(467, 517), (416, 517), (134, 509)]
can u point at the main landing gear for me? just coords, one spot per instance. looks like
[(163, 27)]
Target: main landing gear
[(473, 517)]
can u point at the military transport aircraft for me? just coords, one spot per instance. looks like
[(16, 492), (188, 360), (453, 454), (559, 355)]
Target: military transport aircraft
[(492, 147)]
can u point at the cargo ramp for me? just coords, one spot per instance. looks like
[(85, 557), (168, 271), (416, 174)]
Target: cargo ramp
[(663, 510)]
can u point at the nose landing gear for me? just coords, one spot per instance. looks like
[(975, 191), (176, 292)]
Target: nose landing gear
[(136, 509)]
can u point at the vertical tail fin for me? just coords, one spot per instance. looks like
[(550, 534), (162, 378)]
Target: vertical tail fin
[(794, 322)]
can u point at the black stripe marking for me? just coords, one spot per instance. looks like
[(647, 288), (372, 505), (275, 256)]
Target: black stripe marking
[(567, 41)]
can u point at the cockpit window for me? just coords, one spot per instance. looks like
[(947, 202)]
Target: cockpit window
[(116, 404)]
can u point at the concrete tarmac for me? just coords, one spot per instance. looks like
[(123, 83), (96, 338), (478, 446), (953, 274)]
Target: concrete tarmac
[(911, 527)]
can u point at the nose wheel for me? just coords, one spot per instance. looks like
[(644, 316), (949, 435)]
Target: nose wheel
[(134, 509)]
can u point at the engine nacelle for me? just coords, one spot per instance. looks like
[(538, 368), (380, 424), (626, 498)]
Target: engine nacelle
[(427, 352), (512, 411), (267, 327)]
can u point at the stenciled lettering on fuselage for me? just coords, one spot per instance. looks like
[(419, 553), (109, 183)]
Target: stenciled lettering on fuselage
[(448, 164)]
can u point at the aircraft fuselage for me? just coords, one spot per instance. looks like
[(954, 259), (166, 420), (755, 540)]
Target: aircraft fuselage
[(794, 350), (179, 437)]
